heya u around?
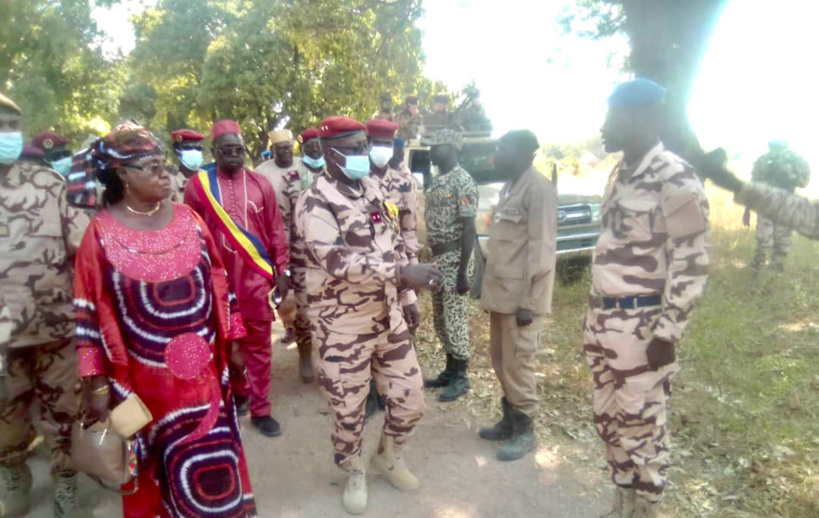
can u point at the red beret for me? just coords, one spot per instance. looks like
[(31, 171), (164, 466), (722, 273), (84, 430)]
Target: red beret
[(225, 127), (337, 127), (186, 135), (47, 141), (308, 135), (32, 152), (381, 128)]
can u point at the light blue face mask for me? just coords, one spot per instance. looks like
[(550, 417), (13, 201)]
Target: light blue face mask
[(356, 166), (190, 158), (11, 147), (314, 163), (62, 166)]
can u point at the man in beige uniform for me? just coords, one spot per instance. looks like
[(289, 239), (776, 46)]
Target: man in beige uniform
[(39, 235), (278, 169), (650, 268), (517, 288), (354, 274)]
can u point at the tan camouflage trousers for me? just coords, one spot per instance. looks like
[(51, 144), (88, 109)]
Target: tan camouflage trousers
[(301, 323), (630, 400), (344, 367), (772, 239), (45, 374), (451, 309)]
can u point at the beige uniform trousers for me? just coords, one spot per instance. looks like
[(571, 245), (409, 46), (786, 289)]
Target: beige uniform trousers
[(513, 351)]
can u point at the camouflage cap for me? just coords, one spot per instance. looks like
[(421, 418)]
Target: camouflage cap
[(444, 136)]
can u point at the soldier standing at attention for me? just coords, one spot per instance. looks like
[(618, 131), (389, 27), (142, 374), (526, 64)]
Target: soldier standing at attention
[(293, 184), (354, 274), (187, 147), (451, 207), (276, 170), (55, 151), (240, 209), (783, 169), (39, 237), (517, 288), (649, 269)]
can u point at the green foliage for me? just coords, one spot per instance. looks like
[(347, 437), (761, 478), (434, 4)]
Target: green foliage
[(270, 63), (54, 68)]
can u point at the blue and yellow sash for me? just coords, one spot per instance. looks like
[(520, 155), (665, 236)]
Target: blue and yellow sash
[(247, 244)]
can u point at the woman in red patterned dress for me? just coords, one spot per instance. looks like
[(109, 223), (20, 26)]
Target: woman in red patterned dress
[(154, 318)]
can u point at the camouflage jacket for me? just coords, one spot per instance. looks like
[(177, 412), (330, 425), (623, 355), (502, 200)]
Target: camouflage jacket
[(785, 170), (398, 187), (277, 174), (791, 210), (451, 198), (409, 124), (350, 238), (178, 183), (39, 235), (654, 238)]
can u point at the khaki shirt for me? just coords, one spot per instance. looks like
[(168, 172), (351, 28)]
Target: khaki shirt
[(178, 183), (520, 263), (39, 235), (654, 238), (277, 174), (352, 265)]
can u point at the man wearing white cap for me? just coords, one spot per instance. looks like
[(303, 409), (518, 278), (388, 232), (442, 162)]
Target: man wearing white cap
[(277, 170)]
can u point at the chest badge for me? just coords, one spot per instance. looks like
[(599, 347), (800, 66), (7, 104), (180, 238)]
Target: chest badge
[(375, 216), (294, 175)]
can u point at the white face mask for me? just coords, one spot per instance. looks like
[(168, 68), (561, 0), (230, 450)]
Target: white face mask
[(380, 155)]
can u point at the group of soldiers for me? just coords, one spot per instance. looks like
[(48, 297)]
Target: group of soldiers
[(336, 226), (468, 117)]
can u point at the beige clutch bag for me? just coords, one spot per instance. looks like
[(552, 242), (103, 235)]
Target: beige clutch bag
[(130, 416)]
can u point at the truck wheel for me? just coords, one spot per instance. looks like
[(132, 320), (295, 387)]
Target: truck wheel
[(480, 267)]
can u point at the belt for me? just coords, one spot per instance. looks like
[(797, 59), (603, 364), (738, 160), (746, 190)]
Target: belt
[(442, 248), (632, 302)]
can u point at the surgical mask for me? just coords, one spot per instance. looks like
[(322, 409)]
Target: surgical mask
[(62, 166), (314, 163), (355, 167), (11, 147), (380, 155), (191, 159)]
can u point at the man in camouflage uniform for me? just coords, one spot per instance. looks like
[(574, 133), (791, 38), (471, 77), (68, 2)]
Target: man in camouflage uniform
[(778, 205), (354, 276), (281, 166), (292, 185), (56, 151), (384, 108), (783, 169), (187, 148), (649, 269), (39, 235), (451, 207), (409, 119)]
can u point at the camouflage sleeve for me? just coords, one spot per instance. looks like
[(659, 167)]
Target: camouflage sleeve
[(409, 221), (467, 198), (278, 246), (74, 222), (541, 247), (286, 207), (791, 210), (685, 208), (323, 241)]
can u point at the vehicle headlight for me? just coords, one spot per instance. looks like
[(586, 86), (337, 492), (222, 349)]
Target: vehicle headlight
[(596, 215)]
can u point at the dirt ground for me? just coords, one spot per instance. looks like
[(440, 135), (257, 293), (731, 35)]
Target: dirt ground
[(294, 476)]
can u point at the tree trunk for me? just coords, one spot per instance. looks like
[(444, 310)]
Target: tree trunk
[(668, 40)]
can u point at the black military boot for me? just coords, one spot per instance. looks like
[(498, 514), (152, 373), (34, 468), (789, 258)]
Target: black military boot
[(502, 430), (458, 383), (444, 377), (523, 438)]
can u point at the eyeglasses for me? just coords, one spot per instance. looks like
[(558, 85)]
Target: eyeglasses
[(232, 150), (155, 169)]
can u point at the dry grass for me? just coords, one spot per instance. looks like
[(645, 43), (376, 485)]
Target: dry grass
[(745, 412)]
